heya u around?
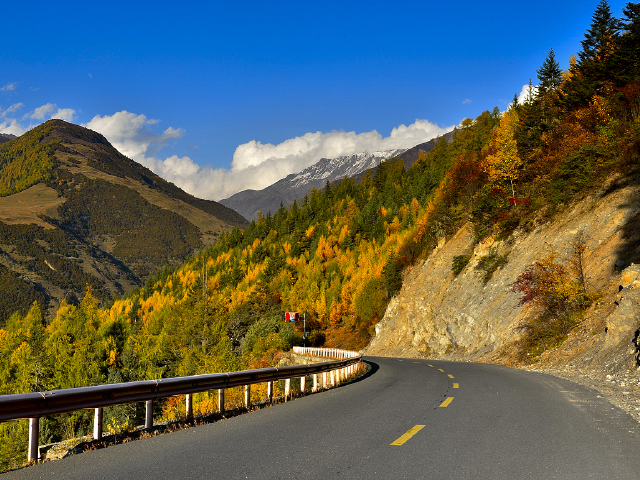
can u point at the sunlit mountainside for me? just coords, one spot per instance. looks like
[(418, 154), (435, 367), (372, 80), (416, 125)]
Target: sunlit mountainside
[(75, 212)]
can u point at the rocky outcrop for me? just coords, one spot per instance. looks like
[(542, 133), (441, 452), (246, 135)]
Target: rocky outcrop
[(437, 314)]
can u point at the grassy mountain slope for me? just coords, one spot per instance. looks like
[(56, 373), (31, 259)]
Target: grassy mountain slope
[(74, 212)]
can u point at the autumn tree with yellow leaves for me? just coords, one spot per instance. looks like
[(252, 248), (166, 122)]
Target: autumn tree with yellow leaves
[(504, 164)]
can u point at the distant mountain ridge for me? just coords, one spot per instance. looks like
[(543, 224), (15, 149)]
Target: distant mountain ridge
[(5, 137), (296, 185), (75, 212)]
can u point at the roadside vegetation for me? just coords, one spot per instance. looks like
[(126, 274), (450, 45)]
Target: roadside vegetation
[(339, 254)]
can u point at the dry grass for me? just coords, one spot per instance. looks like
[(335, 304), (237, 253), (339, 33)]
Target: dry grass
[(24, 207)]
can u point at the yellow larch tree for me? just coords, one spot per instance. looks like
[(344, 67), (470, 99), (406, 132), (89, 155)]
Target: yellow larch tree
[(504, 165)]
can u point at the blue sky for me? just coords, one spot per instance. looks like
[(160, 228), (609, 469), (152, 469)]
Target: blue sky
[(222, 96)]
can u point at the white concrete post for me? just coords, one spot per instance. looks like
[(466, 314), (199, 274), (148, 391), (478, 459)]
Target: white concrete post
[(148, 417), (315, 382), (221, 400), (188, 405), (324, 380), (270, 391), (287, 388), (302, 384), (34, 435), (97, 423), (247, 396)]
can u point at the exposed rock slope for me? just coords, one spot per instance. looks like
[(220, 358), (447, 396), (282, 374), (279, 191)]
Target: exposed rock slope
[(439, 315)]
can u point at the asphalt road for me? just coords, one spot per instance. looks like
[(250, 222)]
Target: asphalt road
[(417, 419)]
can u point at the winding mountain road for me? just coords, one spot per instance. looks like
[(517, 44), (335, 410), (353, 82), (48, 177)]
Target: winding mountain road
[(417, 419)]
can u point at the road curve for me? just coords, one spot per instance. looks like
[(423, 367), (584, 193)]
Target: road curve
[(406, 419)]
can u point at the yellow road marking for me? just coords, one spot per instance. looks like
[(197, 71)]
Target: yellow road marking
[(450, 376), (446, 402), (455, 385), (412, 431), (441, 370), (430, 365)]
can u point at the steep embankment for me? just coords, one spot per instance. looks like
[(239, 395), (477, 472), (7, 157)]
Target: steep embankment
[(437, 314)]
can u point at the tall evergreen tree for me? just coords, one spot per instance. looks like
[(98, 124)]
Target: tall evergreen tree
[(550, 75), (599, 41), (594, 65), (626, 58)]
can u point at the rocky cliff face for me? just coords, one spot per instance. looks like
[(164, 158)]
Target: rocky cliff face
[(437, 314)]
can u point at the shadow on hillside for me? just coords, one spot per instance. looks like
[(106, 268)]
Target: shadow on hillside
[(629, 250)]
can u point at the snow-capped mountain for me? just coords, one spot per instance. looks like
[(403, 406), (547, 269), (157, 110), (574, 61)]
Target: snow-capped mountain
[(296, 185), (331, 169)]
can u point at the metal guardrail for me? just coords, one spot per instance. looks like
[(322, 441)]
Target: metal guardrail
[(34, 405)]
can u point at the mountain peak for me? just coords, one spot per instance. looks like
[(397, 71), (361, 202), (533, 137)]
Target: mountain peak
[(75, 212), (295, 186)]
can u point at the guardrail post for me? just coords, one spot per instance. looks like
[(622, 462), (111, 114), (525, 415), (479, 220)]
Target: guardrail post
[(324, 380), (270, 391), (34, 435), (97, 423), (302, 384), (247, 396), (148, 417), (315, 382), (188, 405), (287, 388), (221, 400)]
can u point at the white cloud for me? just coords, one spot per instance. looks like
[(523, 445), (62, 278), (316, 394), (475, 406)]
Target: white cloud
[(41, 112), (12, 126), (130, 134), (51, 110), (466, 101), (66, 114), (45, 112), (12, 109), (524, 93), (9, 87)]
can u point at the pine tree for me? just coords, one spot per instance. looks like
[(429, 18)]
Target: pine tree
[(594, 65), (550, 75), (599, 40), (626, 58), (514, 102)]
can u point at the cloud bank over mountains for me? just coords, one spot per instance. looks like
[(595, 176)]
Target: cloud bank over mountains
[(255, 165)]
